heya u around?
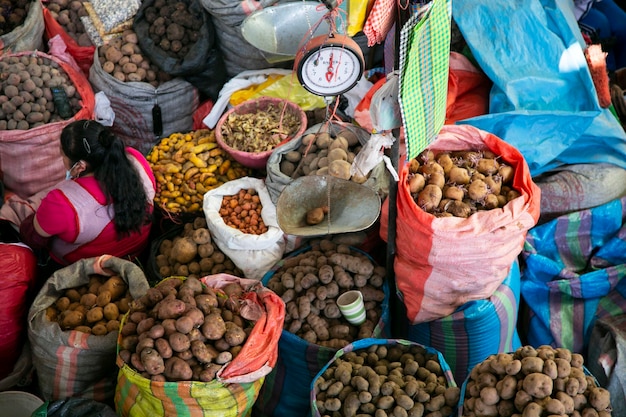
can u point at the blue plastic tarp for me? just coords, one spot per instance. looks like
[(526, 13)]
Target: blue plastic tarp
[(543, 100)]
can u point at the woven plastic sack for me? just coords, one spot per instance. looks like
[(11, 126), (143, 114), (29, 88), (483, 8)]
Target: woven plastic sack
[(574, 274), (606, 359), (23, 373), (476, 329), (133, 104), (468, 90), (83, 55), (579, 186), (18, 264), (29, 35), (73, 363), (203, 66), (502, 403), (237, 385), (138, 396), (258, 356), (227, 16), (30, 160), (286, 391), (74, 407), (366, 343), (443, 263)]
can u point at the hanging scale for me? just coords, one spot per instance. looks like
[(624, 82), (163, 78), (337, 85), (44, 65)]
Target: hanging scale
[(329, 65)]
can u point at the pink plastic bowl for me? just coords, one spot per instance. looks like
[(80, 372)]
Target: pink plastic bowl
[(258, 160)]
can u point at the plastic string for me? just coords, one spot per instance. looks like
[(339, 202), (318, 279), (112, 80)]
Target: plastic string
[(323, 127), (331, 17)]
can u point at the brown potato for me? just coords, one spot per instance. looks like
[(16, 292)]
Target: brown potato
[(111, 311), (177, 369), (99, 329), (152, 362), (70, 319), (94, 315), (316, 215), (114, 285), (213, 327), (429, 198), (340, 169), (416, 183)]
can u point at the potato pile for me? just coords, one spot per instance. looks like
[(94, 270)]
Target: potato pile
[(193, 254), (385, 381), (323, 154), (12, 14), (460, 183), (534, 382), (182, 330), (187, 165), (26, 92), (67, 13), (95, 308), (309, 284), (260, 130), (242, 211), (123, 59), (173, 27)]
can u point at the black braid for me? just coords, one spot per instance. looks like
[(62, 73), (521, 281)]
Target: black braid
[(106, 157)]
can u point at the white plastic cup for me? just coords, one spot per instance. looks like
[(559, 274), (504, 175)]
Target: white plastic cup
[(351, 305)]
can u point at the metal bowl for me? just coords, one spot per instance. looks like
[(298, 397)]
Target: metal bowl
[(353, 207), (278, 31)]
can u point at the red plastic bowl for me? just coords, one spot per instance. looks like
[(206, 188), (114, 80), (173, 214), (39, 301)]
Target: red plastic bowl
[(258, 160)]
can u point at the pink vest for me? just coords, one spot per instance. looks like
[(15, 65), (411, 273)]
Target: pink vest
[(92, 216), (89, 225)]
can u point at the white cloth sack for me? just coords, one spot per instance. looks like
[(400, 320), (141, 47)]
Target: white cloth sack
[(253, 254)]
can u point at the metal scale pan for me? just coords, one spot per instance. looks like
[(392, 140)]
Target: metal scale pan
[(277, 31), (353, 207)]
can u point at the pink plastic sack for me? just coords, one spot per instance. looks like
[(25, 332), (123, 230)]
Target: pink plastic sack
[(442, 263), (260, 352), (30, 160), (468, 90), (19, 268), (83, 55)]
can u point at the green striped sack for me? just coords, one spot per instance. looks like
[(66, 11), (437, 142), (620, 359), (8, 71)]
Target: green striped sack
[(476, 329), (136, 396), (573, 275), (233, 392)]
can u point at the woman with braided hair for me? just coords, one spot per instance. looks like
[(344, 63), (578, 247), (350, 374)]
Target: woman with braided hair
[(103, 207)]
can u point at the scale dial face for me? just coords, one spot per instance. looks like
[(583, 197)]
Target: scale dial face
[(330, 69)]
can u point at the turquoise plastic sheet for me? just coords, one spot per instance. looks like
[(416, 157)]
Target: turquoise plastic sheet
[(543, 100)]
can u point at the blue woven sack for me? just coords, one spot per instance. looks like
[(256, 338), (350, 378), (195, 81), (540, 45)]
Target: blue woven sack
[(286, 389), (573, 275), (362, 344), (476, 329)]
